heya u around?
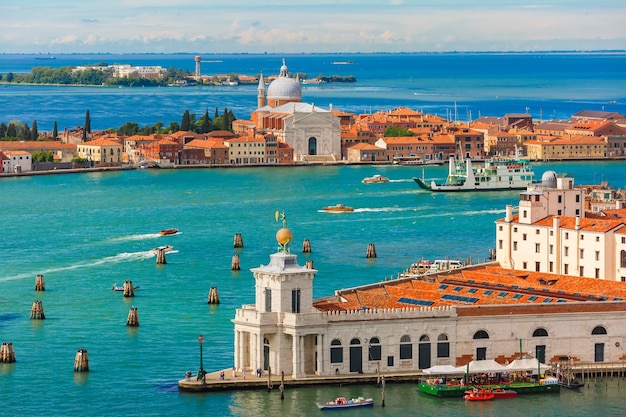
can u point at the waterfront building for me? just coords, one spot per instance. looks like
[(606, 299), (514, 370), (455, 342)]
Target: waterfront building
[(103, 150), (416, 321), (62, 152), (213, 151), (313, 132), (364, 152), (567, 147), (552, 234), (246, 150), (17, 161)]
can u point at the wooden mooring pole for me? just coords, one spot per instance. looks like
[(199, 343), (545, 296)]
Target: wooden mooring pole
[(133, 318), (214, 298), (306, 246), (309, 264), (7, 354), (36, 312), (81, 361), (238, 241), (160, 259), (371, 251), (234, 265), (39, 284), (129, 291)]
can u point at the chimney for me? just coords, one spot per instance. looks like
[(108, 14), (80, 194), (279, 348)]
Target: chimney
[(509, 213)]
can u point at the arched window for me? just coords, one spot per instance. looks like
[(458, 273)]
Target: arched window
[(598, 330), (374, 351), (406, 348), (312, 146), (481, 334), (424, 338), (443, 346), (336, 351), (540, 333), (623, 259), (355, 341)]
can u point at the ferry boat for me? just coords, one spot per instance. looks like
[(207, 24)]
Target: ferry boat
[(490, 175), (376, 178)]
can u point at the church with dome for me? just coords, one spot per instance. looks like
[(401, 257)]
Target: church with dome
[(312, 132)]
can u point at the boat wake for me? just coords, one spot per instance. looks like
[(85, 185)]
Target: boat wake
[(131, 238), (86, 264)]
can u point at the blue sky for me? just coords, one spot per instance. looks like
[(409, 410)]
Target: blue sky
[(126, 26)]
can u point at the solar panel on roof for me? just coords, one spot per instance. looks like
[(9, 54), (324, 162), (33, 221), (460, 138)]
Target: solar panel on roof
[(547, 300), (457, 289), (503, 294), (560, 301), (443, 286), (413, 301), (472, 290), (488, 292), (532, 298), (460, 298), (517, 296)]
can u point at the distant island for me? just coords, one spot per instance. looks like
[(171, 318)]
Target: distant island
[(125, 75)]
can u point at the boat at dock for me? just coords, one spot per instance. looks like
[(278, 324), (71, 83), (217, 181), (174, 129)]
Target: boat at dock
[(170, 231), (338, 208), (479, 395), (376, 178), (342, 402), (490, 175)]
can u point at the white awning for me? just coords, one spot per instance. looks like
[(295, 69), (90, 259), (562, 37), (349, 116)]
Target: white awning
[(531, 364), (445, 370)]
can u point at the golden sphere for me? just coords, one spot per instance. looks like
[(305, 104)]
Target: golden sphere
[(283, 236)]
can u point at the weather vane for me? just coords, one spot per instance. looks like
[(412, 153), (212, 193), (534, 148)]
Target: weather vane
[(284, 235)]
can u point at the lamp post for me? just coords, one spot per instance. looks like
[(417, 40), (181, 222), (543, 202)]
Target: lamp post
[(201, 370)]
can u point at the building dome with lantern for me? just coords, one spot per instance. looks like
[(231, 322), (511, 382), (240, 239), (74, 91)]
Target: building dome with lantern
[(284, 89)]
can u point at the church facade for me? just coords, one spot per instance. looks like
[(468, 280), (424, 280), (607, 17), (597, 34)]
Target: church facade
[(313, 132)]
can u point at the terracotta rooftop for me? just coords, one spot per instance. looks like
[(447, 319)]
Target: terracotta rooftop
[(473, 286)]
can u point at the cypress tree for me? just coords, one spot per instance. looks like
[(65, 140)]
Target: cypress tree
[(3, 130), (87, 127), (185, 123), (55, 131), (217, 113), (206, 122), (34, 134), (225, 123)]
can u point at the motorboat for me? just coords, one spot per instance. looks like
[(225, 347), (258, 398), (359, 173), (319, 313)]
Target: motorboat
[(504, 393), (479, 395), (338, 208), (166, 248), (114, 287), (170, 231), (342, 402), (375, 179)]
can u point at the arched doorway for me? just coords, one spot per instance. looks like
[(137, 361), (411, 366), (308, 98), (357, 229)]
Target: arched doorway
[(424, 352), (312, 146), (356, 356)]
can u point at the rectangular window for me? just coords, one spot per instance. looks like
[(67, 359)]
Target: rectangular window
[(268, 300), (514, 245), (336, 354), (597, 238), (597, 255), (582, 254), (524, 236), (524, 265), (537, 248), (537, 231), (295, 301), (551, 248), (537, 266), (566, 235), (500, 244), (375, 352), (566, 251), (582, 271), (551, 266), (597, 273), (566, 269)]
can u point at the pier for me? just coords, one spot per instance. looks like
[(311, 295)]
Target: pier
[(589, 373)]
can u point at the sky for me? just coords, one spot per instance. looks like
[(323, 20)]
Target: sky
[(293, 26)]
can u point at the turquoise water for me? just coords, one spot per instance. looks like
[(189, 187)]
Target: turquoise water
[(460, 86), (85, 232)]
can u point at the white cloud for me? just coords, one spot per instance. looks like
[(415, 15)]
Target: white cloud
[(309, 26)]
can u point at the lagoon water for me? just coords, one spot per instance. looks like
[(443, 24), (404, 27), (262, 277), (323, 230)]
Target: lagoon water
[(460, 86), (85, 232)]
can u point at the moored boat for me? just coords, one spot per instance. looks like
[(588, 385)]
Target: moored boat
[(490, 175), (170, 231), (377, 178), (338, 208), (342, 402), (504, 393), (479, 395)]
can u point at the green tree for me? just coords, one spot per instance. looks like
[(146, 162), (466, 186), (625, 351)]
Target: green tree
[(225, 123), (55, 131), (87, 127), (396, 131), (10, 77), (25, 133), (3, 130), (173, 127), (34, 134), (217, 113), (11, 130), (185, 123), (205, 122), (128, 129), (42, 156)]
